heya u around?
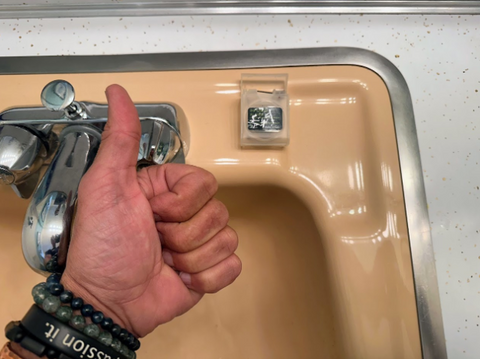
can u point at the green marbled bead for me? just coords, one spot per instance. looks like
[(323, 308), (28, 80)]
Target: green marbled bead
[(92, 330), (124, 350), (105, 338), (78, 322), (51, 304), (40, 295), (64, 314), (39, 287), (116, 344), (130, 354)]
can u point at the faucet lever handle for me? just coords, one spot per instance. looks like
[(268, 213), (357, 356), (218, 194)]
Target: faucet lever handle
[(58, 95), (22, 154)]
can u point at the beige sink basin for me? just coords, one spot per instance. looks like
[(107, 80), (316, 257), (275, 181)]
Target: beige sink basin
[(322, 224)]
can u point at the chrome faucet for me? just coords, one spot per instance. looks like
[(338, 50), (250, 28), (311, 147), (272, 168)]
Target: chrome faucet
[(45, 151)]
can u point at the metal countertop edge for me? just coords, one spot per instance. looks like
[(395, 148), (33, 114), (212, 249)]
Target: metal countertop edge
[(259, 7), (423, 263)]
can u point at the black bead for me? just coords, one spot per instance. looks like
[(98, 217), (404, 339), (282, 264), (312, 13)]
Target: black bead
[(115, 330), (56, 289), (14, 332), (66, 297), (54, 278), (123, 335), (51, 354), (52, 265), (18, 337), (48, 285), (87, 310), (54, 251), (136, 345), (107, 323), (77, 303), (130, 341), (97, 317)]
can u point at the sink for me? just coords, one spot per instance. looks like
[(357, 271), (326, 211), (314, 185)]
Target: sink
[(333, 228)]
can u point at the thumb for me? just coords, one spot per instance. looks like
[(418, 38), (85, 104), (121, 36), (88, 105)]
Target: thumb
[(121, 136)]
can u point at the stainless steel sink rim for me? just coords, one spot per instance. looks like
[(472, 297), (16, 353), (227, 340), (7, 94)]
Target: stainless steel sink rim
[(423, 263), (94, 8)]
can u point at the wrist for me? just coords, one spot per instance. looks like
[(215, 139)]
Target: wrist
[(79, 291)]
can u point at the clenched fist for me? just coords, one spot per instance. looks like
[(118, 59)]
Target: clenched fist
[(146, 245)]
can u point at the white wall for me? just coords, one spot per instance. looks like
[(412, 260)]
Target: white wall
[(438, 55)]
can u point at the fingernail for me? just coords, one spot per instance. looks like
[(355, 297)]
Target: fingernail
[(186, 278), (167, 258)]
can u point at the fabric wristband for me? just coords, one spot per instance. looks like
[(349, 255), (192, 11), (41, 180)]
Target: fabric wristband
[(65, 339)]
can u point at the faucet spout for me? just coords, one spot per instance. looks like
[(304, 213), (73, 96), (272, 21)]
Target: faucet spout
[(46, 230)]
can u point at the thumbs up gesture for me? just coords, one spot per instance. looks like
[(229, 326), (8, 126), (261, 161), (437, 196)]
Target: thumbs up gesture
[(147, 245)]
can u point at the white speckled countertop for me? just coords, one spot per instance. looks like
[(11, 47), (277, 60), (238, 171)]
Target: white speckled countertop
[(439, 57)]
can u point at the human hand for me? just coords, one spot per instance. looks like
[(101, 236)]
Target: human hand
[(116, 261)]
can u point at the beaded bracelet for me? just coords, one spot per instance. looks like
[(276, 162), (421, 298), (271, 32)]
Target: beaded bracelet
[(50, 296), (42, 334), (56, 289), (97, 317)]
